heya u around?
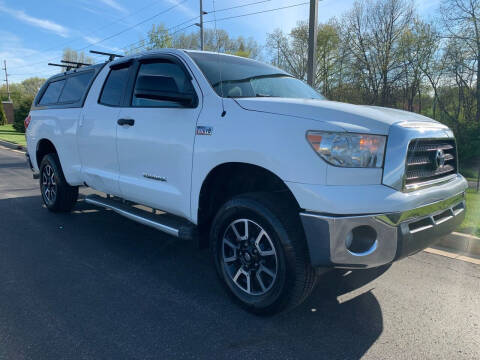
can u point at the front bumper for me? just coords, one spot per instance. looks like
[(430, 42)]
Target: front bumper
[(397, 234)]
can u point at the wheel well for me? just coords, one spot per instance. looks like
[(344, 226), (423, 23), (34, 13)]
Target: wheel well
[(44, 147), (231, 179)]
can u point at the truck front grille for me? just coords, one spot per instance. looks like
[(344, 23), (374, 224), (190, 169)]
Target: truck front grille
[(430, 160)]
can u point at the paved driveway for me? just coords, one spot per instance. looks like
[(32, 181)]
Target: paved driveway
[(93, 285)]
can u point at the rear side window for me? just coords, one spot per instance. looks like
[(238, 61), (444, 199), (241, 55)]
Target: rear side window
[(114, 88), (75, 87), (52, 93)]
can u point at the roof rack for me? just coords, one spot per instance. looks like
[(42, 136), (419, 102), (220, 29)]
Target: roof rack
[(76, 63), (68, 67), (111, 56)]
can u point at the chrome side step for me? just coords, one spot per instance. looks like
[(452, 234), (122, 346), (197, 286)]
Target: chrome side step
[(166, 223)]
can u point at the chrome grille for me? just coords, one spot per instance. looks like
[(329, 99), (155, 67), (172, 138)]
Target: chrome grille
[(429, 160)]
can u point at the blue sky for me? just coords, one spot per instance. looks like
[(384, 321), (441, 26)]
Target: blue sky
[(34, 32)]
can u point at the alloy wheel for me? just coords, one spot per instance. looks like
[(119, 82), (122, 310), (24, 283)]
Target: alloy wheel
[(249, 257), (49, 185)]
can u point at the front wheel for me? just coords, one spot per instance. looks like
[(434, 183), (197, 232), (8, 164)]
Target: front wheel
[(260, 253), (57, 194)]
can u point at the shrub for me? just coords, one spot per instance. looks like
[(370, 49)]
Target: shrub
[(22, 109), (3, 117)]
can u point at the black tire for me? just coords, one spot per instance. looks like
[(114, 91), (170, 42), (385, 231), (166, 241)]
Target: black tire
[(57, 194), (294, 279)]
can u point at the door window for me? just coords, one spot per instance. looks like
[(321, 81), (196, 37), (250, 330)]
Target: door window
[(114, 88), (162, 77)]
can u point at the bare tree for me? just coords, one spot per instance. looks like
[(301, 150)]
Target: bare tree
[(461, 21)]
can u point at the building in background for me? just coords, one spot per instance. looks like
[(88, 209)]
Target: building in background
[(9, 112)]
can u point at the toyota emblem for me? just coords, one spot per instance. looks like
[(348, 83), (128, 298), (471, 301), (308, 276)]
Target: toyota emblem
[(439, 159)]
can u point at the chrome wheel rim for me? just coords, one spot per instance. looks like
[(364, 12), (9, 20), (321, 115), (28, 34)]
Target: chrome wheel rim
[(49, 186), (249, 257)]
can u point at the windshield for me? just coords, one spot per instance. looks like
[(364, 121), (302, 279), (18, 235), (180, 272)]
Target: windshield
[(237, 77)]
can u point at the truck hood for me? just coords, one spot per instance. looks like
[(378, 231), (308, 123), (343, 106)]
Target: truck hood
[(352, 118)]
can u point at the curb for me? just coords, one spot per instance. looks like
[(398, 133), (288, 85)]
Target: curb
[(464, 243), (11, 145)]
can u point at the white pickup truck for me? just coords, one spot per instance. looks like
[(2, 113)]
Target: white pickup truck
[(250, 161)]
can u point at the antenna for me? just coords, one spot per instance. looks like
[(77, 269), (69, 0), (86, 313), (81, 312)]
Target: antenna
[(111, 56), (218, 58), (76, 63), (68, 67)]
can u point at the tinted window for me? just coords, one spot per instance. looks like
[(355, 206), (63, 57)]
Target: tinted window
[(114, 87), (75, 87), (51, 94), (173, 78)]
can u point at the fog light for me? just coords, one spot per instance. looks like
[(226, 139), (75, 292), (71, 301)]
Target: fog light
[(362, 240)]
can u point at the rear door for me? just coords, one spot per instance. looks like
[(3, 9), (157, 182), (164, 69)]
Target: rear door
[(97, 130), (155, 138)]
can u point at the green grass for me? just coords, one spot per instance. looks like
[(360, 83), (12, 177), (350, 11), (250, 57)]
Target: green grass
[(8, 133), (471, 224), (469, 172)]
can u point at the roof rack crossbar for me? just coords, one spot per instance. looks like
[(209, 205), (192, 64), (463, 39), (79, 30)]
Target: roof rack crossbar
[(111, 56), (76, 63), (68, 67)]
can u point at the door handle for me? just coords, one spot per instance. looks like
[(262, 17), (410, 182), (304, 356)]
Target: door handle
[(129, 122)]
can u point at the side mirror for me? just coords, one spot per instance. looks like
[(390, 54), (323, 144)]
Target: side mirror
[(158, 87)]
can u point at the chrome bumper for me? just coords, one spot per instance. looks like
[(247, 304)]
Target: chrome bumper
[(396, 234)]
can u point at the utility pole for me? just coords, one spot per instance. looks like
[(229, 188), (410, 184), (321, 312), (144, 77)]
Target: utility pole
[(200, 25), (6, 78), (312, 41)]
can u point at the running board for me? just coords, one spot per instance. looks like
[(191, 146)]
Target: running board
[(167, 223)]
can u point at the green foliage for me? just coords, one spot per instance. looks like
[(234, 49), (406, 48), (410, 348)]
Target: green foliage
[(73, 55), (22, 109), (8, 133), (381, 52), (471, 224), (217, 41), (22, 95), (3, 116)]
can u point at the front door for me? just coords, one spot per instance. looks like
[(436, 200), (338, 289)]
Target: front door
[(155, 136)]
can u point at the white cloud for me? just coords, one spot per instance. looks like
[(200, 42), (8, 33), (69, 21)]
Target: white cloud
[(114, 5), (24, 62), (37, 22), (92, 40)]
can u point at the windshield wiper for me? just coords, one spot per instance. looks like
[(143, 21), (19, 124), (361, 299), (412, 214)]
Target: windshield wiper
[(251, 78)]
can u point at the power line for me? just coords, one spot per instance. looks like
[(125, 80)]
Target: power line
[(238, 6), (213, 12), (184, 22), (135, 25), (118, 33), (102, 27), (166, 30), (258, 12)]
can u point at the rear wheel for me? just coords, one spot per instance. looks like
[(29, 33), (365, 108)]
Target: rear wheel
[(260, 253), (57, 194)]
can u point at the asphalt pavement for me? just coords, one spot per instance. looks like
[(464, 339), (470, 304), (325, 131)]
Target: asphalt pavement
[(94, 285)]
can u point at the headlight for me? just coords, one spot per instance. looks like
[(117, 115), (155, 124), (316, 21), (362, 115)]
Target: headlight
[(349, 150)]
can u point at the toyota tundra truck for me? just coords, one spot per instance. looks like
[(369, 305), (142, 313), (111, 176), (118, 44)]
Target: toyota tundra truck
[(241, 157)]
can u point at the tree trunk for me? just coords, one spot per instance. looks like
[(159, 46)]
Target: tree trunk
[(477, 95)]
